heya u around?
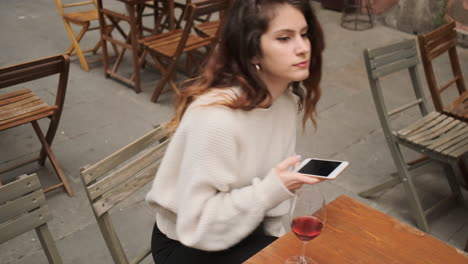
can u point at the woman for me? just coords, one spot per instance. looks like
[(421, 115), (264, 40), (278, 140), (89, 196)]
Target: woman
[(225, 181)]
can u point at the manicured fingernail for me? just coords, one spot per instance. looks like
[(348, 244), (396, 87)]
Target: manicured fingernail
[(299, 157)]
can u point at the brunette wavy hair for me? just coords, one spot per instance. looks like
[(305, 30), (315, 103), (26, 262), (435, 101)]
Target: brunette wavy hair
[(230, 63)]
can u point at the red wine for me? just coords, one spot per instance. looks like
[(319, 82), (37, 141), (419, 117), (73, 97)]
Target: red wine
[(306, 227)]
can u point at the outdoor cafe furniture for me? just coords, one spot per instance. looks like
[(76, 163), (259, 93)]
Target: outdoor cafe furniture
[(167, 47), (357, 14), (23, 207), (437, 135), (432, 45), (357, 233), (82, 18), (23, 106), (130, 35), (110, 181)]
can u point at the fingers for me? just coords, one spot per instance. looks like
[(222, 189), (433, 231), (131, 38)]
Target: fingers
[(307, 179), (291, 161)]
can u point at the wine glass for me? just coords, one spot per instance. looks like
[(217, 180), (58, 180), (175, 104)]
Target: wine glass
[(307, 218)]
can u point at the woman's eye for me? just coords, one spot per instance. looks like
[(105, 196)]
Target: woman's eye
[(283, 38), (305, 35)]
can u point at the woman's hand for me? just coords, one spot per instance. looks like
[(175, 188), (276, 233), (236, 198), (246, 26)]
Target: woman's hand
[(293, 180)]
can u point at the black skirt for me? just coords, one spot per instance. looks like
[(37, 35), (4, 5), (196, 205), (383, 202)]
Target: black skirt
[(168, 251)]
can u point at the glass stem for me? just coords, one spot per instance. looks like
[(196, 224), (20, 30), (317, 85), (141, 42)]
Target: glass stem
[(303, 259)]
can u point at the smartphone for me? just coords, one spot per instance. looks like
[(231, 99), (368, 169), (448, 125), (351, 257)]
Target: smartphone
[(322, 168)]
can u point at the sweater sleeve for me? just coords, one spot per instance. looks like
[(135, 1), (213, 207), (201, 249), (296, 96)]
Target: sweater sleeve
[(211, 214)]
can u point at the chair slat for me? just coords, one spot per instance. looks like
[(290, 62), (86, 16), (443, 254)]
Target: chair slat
[(440, 31), (24, 223), (442, 143), (26, 102), (31, 64), (16, 189), (458, 150), (29, 74), (394, 57), (110, 162), (117, 195), (434, 131), (26, 118), (18, 97), (129, 170), (441, 49), (404, 107), (5, 97), (433, 44), (461, 102), (426, 126), (400, 65), (21, 205), (418, 124), (449, 83), (407, 44), (33, 106), (443, 133)]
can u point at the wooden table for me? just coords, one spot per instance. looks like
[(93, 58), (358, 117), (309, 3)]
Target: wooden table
[(130, 37), (356, 233)]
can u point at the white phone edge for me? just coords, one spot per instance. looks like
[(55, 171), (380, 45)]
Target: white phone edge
[(337, 171)]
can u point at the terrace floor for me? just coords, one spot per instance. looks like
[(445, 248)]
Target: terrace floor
[(102, 115)]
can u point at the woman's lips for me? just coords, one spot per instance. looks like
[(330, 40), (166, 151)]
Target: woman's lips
[(302, 64)]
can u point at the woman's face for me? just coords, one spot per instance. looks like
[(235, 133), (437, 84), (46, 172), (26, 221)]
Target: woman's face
[(285, 47)]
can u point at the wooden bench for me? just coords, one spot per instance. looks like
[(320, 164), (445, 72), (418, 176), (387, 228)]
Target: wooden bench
[(23, 207), (114, 178)]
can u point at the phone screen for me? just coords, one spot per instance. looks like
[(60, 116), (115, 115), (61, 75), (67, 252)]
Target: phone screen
[(319, 167)]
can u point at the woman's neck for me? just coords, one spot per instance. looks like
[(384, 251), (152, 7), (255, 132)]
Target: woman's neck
[(276, 89)]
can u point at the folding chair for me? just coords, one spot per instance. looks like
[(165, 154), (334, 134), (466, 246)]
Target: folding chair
[(83, 19), (432, 45), (23, 207), (114, 178), (437, 135), (166, 48), (24, 106)]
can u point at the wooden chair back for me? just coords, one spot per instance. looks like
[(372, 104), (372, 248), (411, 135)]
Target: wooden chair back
[(111, 180), (436, 135), (23, 207), (166, 48), (194, 11), (24, 106), (432, 45), (63, 9), (387, 60)]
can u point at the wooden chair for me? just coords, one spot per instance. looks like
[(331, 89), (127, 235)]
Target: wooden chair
[(166, 48), (23, 207), (433, 45), (437, 135), (119, 175), (24, 106), (84, 20)]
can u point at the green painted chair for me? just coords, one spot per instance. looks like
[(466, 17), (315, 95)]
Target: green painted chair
[(436, 135), (111, 180), (23, 207)]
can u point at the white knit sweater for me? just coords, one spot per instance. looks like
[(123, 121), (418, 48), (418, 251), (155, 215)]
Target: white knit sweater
[(216, 182)]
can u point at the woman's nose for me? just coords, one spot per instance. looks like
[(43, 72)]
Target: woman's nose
[(302, 45)]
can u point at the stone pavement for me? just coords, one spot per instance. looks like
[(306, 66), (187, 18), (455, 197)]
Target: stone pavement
[(102, 115)]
